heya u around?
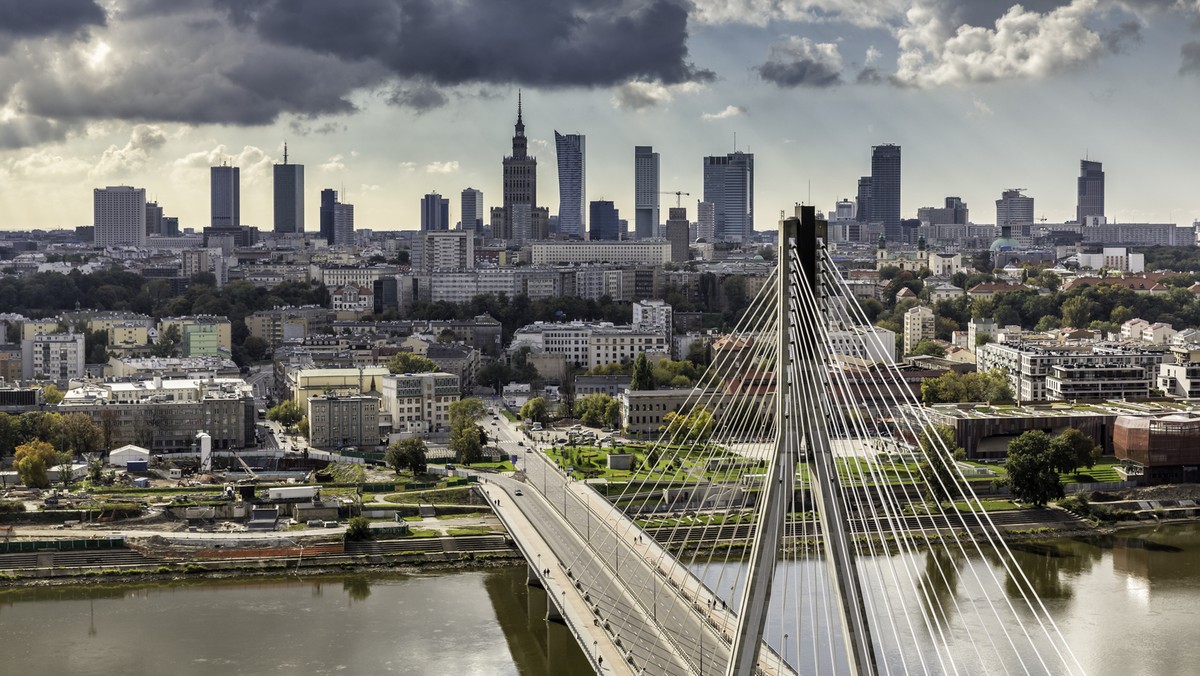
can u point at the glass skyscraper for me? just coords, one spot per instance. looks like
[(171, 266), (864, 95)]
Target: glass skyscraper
[(729, 185), (1091, 191), (885, 190), (289, 196), (645, 192), (572, 190)]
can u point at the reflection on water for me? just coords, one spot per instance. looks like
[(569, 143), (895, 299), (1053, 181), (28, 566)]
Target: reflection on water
[(481, 622)]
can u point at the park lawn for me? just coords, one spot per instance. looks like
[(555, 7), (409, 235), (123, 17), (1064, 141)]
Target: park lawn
[(504, 466), (424, 533), (470, 530), (990, 505)]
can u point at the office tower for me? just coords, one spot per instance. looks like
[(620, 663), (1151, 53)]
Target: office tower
[(289, 196), (843, 210), (863, 203), (1014, 209), (520, 178), (1091, 191), (885, 190), (472, 209), (539, 223), (645, 192), (435, 212), (572, 188), (328, 200), (226, 197), (498, 223), (958, 210), (154, 218), (170, 226), (119, 216), (677, 234), (605, 221), (343, 224), (706, 221), (729, 185)]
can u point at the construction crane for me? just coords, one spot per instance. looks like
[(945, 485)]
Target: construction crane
[(678, 196)]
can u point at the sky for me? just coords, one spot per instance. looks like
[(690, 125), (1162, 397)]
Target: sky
[(386, 100)]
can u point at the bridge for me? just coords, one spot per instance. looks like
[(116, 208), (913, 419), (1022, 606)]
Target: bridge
[(778, 524)]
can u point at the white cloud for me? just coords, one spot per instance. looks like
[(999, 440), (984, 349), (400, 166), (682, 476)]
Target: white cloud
[(979, 109), (134, 155), (44, 164), (254, 163), (442, 167), (872, 55), (1023, 44), (862, 13), (642, 94), (369, 187), (408, 167), (730, 111), (333, 164)]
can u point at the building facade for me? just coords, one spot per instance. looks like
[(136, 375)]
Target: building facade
[(729, 185), (885, 189), (289, 196), (1091, 191), (435, 212), (338, 422), (419, 402), (645, 192), (472, 210), (919, 324), (572, 184), (119, 216), (225, 197), (58, 357), (520, 184)]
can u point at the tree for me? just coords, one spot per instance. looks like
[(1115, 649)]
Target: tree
[(358, 529), (168, 342), (32, 460), (256, 348), (598, 410), (929, 348), (1032, 474), (982, 339), (695, 426), (1074, 449), (1077, 311), (407, 362), (495, 375), (955, 388), (535, 410), (53, 395), (286, 413), (302, 427), (465, 438), (940, 453), (80, 435), (643, 378), (407, 454)]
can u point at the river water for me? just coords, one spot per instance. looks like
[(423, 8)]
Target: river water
[(1128, 604)]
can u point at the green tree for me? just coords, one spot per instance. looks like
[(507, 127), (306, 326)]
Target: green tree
[(10, 434), (1032, 471), (256, 348), (80, 434), (643, 378), (407, 362), (1077, 311), (495, 375), (33, 459), (694, 426), (1074, 449), (465, 438), (598, 410), (286, 413), (407, 454), (938, 465), (929, 348), (53, 395), (302, 427), (358, 529), (982, 339), (955, 388), (168, 342), (535, 410)]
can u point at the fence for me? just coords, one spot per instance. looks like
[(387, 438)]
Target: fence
[(19, 546)]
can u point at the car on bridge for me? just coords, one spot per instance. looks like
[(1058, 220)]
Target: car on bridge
[(518, 492)]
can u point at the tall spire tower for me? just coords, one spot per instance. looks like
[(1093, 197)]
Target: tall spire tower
[(520, 186), (520, 143)]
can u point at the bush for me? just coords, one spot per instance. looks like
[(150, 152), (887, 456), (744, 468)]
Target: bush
[(11, 507), (358, 529)]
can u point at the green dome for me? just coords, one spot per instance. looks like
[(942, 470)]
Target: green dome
[(1003, 243)]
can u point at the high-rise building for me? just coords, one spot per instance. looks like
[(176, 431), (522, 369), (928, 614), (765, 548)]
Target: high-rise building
[(119, 216), (154, 218), (226, 197), (289, 196), (520, 180), (706, 221), (472, 209), (328, 199), (729, 185), (605, 220), (1014, 209), (645, 192), (572, 188), (677, 234), (1091, 191), (919, 324), (343, 224), (885, 190), (863, 203), (435, 212), (170, 226), (954, 213)]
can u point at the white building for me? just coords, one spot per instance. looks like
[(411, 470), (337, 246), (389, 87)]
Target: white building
[(435, 250), (419, 402), (56, 356), (590, 345), (653, 316), (1113, 258), (873, 343), (119, 216), (621, 253), (919, 324), (945, 264), (1028, 365)]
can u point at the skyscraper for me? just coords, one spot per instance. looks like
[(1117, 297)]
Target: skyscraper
[(1091, 191), (729, 185), (645, 192), (677, 234), (572, 179), (863, 201), (226, 197), (520, 177), (1014, 209), (885, 189), (343, 224), (289, 196), (435, 212), (328, 200), (154, 218), (706, 221), (472, 209), (119, 216), (605, 221)]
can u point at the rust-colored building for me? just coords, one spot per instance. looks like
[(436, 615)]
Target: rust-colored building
[(1159, 450)]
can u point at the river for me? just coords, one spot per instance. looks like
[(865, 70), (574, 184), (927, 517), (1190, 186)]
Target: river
[(1128, 604)]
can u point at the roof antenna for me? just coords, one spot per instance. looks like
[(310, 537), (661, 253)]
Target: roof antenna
[(285, 152), (735, 141)]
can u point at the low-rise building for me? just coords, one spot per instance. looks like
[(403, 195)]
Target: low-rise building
[(338, 422), (201, 335), (1071, 382), (306, 383), (1028, 364), (1158, 450)]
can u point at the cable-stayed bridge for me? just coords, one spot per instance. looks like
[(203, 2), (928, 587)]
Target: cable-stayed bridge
[(798, 514)]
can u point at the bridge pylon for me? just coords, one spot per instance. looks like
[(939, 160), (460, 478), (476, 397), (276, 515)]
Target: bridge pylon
[(802, 419)]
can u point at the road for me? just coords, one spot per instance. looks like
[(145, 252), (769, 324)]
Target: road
[(635, 581)]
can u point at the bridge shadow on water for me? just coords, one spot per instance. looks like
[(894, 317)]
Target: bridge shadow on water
[(538, 647)]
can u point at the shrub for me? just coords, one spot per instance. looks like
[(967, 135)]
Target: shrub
[(358, 529)]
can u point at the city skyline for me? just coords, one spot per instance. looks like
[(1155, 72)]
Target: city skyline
[(794, 81)]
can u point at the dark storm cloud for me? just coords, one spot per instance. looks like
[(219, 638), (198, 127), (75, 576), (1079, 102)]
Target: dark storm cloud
[(799, 62), (1190, 52), (985, 12), (419, 97), (550, 43), (39, 18)]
